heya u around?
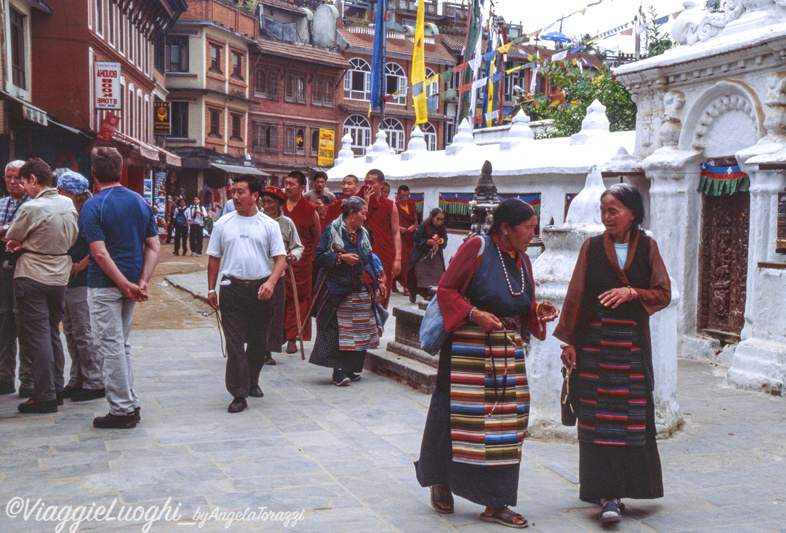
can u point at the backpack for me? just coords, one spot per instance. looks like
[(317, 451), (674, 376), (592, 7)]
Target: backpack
[(180, 216)]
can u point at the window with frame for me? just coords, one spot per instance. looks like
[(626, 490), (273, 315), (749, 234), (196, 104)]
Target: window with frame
[(295, 140), (395, 134), (359, 129), (176, 53), (237, 65), (295, 88), (18, 71), (179, 119), (395, 81), (121, 32), (266, 83), (314, 142), (215, 123), (110, 21), (430, 136), (100, 17), (130, 118), (130, 41), (433, 87), (265, 137), (237, 127), (322, 92), (140, 48), (357, 80), (215, 58)]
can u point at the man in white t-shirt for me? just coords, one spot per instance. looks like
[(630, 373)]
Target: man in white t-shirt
[(196, 215), (247, 248)]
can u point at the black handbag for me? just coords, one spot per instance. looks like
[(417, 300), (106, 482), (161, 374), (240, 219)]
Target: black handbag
[(566, 405)]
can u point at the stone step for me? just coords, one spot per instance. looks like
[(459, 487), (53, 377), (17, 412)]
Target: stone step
[(411, 372)]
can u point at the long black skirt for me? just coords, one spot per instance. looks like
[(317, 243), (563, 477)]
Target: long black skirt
[(622, 471), (492, 486), (327, 354)]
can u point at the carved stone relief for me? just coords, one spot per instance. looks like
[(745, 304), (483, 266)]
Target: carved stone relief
[(729, 123), (670, 128), (775, 104)]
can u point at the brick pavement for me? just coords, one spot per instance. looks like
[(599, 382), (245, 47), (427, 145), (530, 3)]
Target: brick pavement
[(344, 456)]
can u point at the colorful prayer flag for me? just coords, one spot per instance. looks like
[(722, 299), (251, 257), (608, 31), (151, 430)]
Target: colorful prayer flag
[(419, 67)]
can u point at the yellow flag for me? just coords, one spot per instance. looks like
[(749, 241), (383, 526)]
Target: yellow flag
[(418, 75)]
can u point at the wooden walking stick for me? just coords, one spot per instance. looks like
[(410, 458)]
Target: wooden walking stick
[(300, 324)]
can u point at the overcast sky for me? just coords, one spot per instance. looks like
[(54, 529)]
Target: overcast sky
[(535, 14)]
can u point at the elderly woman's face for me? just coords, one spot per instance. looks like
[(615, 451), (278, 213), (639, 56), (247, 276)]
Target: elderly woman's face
[(438, 220), (356, 220), (617, 218)]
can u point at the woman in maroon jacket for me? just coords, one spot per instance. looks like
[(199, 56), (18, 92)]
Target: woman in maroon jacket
[(618, 282)]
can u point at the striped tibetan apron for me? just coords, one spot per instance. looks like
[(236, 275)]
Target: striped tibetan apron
[(357, 323), (489, 396), (611, 383)]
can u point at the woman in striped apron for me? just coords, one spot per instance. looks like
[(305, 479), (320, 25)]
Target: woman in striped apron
[(480, 407), (619, 280), (345, 309)]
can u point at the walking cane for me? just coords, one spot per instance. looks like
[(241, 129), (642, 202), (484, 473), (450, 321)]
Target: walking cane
[(300, 325)]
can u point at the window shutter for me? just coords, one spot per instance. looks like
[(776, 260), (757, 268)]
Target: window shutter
[(328, 94), (367, 76), (274, 139), (272, 84), (289, 139)]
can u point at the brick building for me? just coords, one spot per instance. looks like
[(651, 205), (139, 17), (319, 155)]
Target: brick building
[(69, 42), (399, 110), (206, 57)]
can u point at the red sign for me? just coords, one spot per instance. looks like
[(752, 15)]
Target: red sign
[(108, 126)]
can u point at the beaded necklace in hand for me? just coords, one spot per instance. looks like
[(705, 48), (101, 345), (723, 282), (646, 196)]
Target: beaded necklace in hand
[(507, 276)]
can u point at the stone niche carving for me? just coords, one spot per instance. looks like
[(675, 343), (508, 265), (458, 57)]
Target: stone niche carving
[(728, 123), (673, 102), (775, 105)]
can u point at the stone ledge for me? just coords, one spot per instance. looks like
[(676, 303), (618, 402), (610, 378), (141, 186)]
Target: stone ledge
[(415, 374), (416, 354)]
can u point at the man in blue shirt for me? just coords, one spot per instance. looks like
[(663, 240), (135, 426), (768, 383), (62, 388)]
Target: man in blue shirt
[(121, 230)]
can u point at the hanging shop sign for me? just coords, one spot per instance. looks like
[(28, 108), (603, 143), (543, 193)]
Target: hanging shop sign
[(107, 85), (161, 118), (327, 140)]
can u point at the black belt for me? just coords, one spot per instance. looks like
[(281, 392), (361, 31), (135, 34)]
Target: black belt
[(247, 283)]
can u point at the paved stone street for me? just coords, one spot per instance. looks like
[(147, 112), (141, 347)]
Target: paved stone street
[(343, 456)]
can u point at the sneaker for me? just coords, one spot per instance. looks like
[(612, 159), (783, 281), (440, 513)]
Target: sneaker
[(237, 405), (340, 379), (193, 254), (199, 255), (352, 376), (33, 406), (111, 421), (85, 395)]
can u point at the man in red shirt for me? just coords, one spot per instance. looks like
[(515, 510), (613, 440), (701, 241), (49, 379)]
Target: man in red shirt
[(382, 219), (349, 186), (304, 214), (408, 223)]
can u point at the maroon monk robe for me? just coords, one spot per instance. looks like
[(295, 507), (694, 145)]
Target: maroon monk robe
[(303, 217), (380, 212), (406, 218), (334, 210)]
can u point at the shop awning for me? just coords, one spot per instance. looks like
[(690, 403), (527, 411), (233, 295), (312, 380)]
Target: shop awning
[(237, 169), (29, 111), (170, 158)]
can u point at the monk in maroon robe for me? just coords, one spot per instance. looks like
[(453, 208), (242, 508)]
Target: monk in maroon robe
[(382, 219), (349, 186), (408, 223), (304, 214)]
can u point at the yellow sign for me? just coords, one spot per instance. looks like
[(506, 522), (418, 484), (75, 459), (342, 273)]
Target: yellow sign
[(327, 139)]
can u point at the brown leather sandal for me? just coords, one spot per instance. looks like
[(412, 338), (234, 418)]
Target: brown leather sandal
[(505, 518), (441, 494)]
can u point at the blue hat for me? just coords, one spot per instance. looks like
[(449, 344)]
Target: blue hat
[(73, 182)]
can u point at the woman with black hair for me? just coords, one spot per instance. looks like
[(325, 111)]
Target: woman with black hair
[(427, 262), (619, 280), (480, 407)]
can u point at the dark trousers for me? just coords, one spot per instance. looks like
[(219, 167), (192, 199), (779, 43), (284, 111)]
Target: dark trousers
[(40, 309), (195, 238), (9, 328), (181, 236), (244, 319)]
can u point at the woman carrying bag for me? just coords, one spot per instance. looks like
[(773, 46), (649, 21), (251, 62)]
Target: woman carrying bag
[(480, 407)]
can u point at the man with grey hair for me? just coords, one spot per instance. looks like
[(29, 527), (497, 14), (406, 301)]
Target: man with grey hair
[(8, 330)]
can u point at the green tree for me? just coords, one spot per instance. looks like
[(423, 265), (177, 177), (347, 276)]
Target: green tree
[(579, 89), (657, 42)]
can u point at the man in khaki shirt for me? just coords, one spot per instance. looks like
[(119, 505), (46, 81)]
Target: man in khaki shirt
[(44, 230)]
